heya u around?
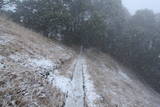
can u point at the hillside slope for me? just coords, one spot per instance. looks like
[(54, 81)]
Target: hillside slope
[(38, 72)]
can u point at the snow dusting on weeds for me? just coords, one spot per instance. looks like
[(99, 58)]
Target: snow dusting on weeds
[(1, 58), (38, 62), (2, 65), (17, 57), (60, 82), (44, 66), (5, 39), (91, 94), (42, 63)]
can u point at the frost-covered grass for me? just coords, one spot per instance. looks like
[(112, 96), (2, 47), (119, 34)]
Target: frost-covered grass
[(42, 63), (38, 62), (34, 87), (44, 66), (60, 82), (2, 65), (26, 89), (26, 66), (4, 39), (1, 58)]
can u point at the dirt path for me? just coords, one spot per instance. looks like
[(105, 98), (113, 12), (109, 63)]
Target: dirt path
[(76, 95)]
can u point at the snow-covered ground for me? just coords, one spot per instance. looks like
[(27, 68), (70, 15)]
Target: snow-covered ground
[(79, 90), (27, 60), (90, 90), (60, 82), (4, 39)]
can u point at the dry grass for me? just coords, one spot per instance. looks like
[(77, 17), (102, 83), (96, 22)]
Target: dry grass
[(25, 89), (21, 86), (117, 86)]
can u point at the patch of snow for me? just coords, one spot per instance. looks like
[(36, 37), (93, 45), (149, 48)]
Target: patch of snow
[(1, 57), (91, 94), (59, 48), (124, 75), (66, 57), (2, 66), (42, 63), (60, 82), (1, 60), (17, 57), (39, 63), (5, 39)]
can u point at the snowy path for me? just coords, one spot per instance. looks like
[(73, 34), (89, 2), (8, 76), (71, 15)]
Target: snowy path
[(79, 89), (76, 95)]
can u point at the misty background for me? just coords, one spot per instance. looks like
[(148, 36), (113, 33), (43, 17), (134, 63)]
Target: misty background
[(131, 5), (134, 5)]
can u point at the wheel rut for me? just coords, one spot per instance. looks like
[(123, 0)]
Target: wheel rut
[(76, 94)]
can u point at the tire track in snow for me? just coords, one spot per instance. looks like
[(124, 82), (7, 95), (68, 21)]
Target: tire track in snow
[(76, 94), (81, 92)]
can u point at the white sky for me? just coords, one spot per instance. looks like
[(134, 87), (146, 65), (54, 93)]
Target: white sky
[(133, 5)]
